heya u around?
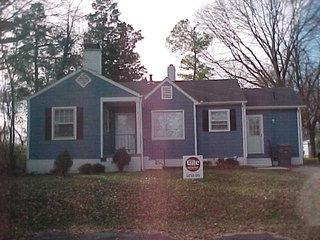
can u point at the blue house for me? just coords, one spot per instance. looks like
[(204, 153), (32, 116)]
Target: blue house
[(158, 122)]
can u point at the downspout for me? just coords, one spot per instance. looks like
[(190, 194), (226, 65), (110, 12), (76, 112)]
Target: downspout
[(141, 134), (195, 130), (244, 133)]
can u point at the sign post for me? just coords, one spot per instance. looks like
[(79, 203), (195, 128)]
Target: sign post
[(192, 167)]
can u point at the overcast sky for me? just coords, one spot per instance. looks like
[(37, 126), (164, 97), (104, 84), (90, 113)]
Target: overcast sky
[(155, 18)]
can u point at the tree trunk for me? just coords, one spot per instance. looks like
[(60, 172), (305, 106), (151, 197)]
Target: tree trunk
[(312, 136)]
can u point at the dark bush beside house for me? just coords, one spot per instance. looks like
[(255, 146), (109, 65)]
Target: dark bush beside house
[(62, 164), (98, 168), (228, 163), (121, 158), (85, 168), (91, 169)]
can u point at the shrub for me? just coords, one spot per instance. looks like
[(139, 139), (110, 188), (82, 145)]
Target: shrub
[(207, 163), (227, 163), (98, 168), (86, 168), (121, 158), (62, 164), (91, 169)]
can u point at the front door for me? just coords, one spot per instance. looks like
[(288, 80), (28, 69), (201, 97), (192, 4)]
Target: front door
[(255, 134), (125, 132)]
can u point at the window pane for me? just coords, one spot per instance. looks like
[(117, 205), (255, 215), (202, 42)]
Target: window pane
[(219, 120), (168, 124), (63, 130), (63, 116), (218, 116)]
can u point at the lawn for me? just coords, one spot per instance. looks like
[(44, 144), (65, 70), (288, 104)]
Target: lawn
[(224, 201)]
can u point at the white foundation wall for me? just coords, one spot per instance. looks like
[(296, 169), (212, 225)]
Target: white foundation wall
[(43, 166)]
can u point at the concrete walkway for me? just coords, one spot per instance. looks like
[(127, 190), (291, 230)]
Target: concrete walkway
[(101, 236), (309, 199), (143, 236), (252, 236)]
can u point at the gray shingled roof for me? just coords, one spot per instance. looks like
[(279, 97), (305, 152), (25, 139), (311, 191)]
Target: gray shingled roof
[(202, 91), (272, 97), (227, 90), (213, 90)]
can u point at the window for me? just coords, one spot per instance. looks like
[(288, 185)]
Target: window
[(64, 123), (219, 120), (166, 92), (167, 124)]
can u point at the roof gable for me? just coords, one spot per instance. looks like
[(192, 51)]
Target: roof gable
[(85, 71), (167, 80)]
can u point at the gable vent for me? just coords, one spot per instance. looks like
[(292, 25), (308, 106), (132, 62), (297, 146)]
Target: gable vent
[(83, 80), (166, 92)]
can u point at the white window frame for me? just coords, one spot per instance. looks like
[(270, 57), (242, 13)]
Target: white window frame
[(163, 91), (153, 137), (209, 120), (74, 137)]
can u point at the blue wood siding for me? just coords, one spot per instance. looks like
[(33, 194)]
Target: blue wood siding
[(284, 130), (69, 93), (168, 149), (220, 144)]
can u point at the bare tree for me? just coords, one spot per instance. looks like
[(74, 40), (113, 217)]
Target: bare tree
[(267, 43), (260, 36)]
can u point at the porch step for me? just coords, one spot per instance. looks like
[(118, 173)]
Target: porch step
[(259, 162), (151, 164)]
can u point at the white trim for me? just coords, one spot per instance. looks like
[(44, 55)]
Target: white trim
[(83, 76), (195, 130), (141, 133), (221, 103), (244, 133), (28, 130), (101, 128), (262, 133), (259, 162), (138, 102), (113, 83), (167, 80), (300, 140), (54, 84), (93, 73), (167, 138), (163, 91), (119, 99), (74, 108), (273, 107), (210, 111)]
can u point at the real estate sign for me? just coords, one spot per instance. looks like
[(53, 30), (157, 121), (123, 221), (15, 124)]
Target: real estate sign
[(192, 167)]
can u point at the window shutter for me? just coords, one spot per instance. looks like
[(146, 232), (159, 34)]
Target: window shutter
[(48, 124), (79, 122), (205, 121), (233, 120)]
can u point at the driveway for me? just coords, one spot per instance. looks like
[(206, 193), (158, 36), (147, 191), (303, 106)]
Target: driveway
[(309, 199)]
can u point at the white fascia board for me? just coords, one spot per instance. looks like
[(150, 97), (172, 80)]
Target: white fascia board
[(167, 80), (54, 84), (114, 83), (274, 107), (222, 103)]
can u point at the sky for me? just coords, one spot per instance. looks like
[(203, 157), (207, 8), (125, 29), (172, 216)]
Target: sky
[(156, 19)]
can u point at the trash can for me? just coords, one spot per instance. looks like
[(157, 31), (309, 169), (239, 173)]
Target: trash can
[(284, 154)]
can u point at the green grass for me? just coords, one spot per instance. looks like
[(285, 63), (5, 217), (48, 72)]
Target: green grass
[(224, 201)]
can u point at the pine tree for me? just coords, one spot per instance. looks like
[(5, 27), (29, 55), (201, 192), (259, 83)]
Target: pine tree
[(118, 40)]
